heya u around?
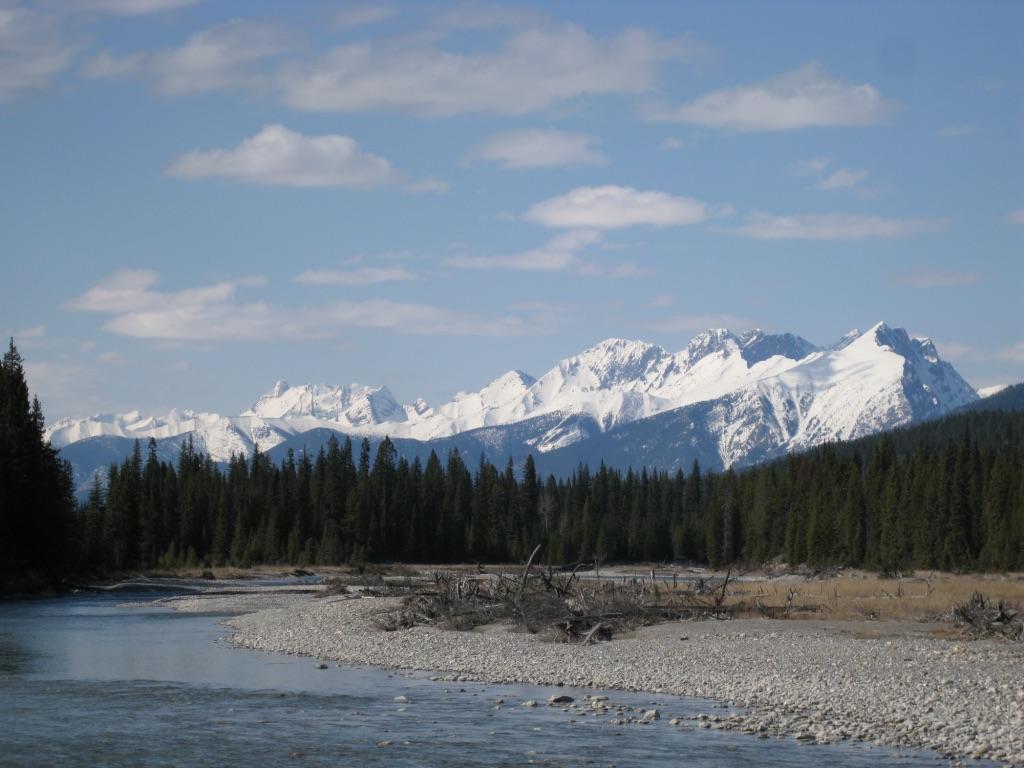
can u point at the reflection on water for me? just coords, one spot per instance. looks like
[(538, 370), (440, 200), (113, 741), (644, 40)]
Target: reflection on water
[(85, 683)]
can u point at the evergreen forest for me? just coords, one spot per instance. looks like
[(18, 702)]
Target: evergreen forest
[(944, 494)]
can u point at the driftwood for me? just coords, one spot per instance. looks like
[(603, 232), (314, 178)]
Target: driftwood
[(980, 617), (559, 605)]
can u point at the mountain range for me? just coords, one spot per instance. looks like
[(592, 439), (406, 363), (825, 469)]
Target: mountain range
[(726, 400)]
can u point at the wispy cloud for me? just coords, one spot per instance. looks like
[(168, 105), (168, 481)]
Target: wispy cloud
[(282, 157), (926, 277), (834, 226), (671, 144), (111, 357), (614, 207), (33, 52), (538, 149), (841, 178), (1013, 353), (128, 7), (107, 64), (536, 64), (1016, 216), (361, 15), (662, 301), (29, 332), (812, 166), (561, 253), (807, 97), (65, 385), (217, 313), (231, 55), (838, 179), (533, 69), (353, 277), (557, 254)]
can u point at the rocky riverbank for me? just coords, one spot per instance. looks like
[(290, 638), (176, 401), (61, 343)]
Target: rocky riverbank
[(897, 684)]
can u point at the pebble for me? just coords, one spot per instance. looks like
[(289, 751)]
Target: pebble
[(904, 691)]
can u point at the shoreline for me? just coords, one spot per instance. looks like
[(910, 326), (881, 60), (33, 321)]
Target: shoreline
[(890, 683)]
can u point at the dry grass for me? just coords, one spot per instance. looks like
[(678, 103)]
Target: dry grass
[(850, 595), (861, 596)]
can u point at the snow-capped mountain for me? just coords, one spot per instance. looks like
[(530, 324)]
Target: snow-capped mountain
[(741, 397), (355, 406)]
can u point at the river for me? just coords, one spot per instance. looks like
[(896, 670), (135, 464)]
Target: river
[(84, 682)]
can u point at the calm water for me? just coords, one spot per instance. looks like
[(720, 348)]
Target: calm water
[(85, 683)]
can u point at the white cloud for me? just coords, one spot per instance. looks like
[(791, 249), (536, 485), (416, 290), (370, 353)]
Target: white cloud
[(1013, 353), (806, 97), (662, 301), (697, 323), (32, 53), (628, 269), (1016, 217), (30, 332), (361, 15), (614, 207), (841, 178), (924, 277), (216, 313), (538, 149), (108, 64), (130, 290), (428, 185), (111, 357), (129, 7), (364, 276), (279, 156), (814, 166), (220, 57), (671, 144), (956, 130), (64, 386), (558, 254), (834, 226), (534, 69)]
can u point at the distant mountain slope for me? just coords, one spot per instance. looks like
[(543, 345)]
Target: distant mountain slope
[(726, 400), (1008, 399)]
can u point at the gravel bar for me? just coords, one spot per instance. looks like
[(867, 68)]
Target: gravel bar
[(820, 682)]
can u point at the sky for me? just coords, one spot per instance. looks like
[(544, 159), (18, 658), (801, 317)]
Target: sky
[(201, 197)]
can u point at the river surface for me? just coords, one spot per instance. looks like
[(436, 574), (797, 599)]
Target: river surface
[(84, 682)]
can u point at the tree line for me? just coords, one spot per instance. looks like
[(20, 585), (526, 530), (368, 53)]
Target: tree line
[(948, 494), (944, 494), (37, 510)]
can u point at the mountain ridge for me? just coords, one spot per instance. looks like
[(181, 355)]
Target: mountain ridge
[(731, 398)]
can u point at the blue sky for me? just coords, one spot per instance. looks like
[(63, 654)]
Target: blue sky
[(198, 198)]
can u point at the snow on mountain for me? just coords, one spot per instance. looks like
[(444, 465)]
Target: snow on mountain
[(872, 381), (355, 405), (763, 392), (995, 389), (875, 380)]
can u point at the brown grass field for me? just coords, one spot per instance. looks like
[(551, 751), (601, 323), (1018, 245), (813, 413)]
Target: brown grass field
[(847, 595), (864, 596)]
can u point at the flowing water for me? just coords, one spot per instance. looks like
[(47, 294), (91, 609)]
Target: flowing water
[(84, 682)]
